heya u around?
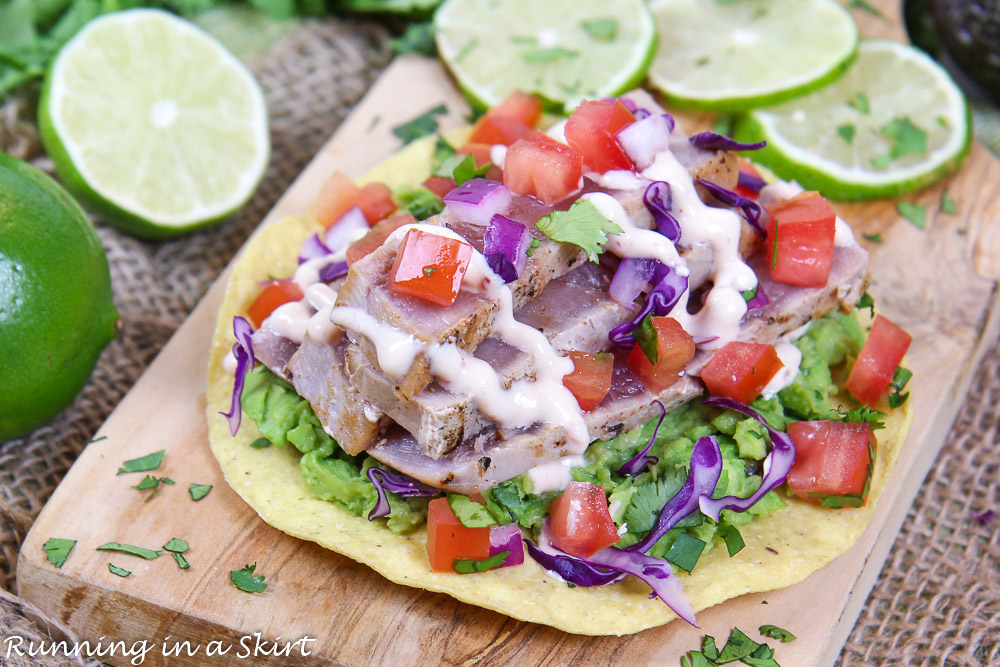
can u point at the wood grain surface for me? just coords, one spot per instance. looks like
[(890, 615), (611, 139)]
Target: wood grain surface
[(939, 283)]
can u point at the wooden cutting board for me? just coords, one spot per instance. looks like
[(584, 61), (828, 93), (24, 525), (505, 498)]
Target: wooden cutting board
[(939, 283)]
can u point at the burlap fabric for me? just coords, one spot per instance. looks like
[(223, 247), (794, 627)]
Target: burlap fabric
[(936, 602)]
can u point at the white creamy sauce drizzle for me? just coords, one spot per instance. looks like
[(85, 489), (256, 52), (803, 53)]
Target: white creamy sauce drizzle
[(554, 475), (635, 241), (790, 357), (498, 155), (618, 179)]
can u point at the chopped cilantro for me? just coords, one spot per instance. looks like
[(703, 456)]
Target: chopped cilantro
[(245, 580), (865, 6), (150, 482), (645, 506), (685, 552), (430, 270), (547, 55), (860, 103), (915, 213), (647, 338), (948, 204), (774, 255), (738, 647), (731, 536), (120, 571), (531, 247), (57, 550), (143, 463), (461, 168), (260, 443), (176, 545), (418, 38), (846, 132), (442, 151), (603, 30), (749, 295), (199, 491), (774, 632), (709, 648), (420, 202), (863, 415), (103, 437), (464, 566), (872, 238), (898, 384), (421, 126), (866, 301), (470, 513), (581, 225), (906, 139), (180, 560), (130, 549)]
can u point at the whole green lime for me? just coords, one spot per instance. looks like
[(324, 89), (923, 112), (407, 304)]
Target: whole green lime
[(56, 313)]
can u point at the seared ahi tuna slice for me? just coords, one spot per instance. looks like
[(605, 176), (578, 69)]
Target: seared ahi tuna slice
[(273, 350), (318, 373)]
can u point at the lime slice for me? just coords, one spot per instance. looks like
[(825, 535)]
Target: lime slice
[(153, 124), (732, 56), (894, 123), (563, 50)]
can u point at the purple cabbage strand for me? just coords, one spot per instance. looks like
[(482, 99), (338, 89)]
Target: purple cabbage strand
[(392, 480), (751, 182), (666, 292), (658, 200), (243, 351), (751, 209), (640, 461), (333, 270), (720, 142)]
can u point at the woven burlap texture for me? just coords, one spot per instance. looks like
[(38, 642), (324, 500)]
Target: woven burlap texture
[(937, 600)]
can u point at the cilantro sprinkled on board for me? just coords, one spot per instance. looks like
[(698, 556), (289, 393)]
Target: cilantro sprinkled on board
[(418, 38), (245, 580), (581, 225), (948, 204), (915, 213), (199, 491), (421, 126), (143, 463), (176, 547), (150, 482), (738, 647), (130, 549), (120, 571), (774, 632), (57, 550)]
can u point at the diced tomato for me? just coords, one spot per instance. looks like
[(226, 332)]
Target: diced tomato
[(483, 155), (337, 195), (590, 380), (499, 130), (741, 370), (440, 185), (543, 168), (750, 170), (831, 457), (800, 240), (448, 539), (376, 236), (430, 267), (274, 294), (591, 131), (580, 521), (519, 106), (882, 353), (375, 200), (674, 348)]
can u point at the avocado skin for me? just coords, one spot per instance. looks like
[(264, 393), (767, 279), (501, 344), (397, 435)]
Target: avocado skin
[(970, 31)]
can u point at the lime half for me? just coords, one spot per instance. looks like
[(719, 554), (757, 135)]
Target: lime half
[(733, 56), (563, 50), (894, 123), (153, 124)]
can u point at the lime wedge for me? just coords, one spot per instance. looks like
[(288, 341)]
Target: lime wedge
[(894, 123), (153, 124), (562, 50), (732, 56)]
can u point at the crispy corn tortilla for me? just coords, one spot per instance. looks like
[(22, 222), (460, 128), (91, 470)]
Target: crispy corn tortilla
[(781, 549)]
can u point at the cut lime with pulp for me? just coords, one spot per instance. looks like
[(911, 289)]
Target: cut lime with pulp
[(733, 56), (894, 123), (153, 124), (563, 50)]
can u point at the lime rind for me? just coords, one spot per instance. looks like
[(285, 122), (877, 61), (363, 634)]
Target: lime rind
[(484, 44), (806, 157), (731, 57), (96, 122)]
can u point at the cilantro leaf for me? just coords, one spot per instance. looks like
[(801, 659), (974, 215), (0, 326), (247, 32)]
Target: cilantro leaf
[(120, 571), (860, 103), (731, 536), (737, 647), (199, 491), (465, 566), (176, 545), (906, 139), (143, 463), (581, 225), (645, 505), (180, 560), (421, 126), (532, 247), (774, 632), (915, 213), (418, 201), (685, 551), (866, 301), (461, 168), (442, 151), (57, 550), (130, 549), (150, 482), (260, 443), (872, 238), (948, 204), (846, 132), (245, 580), (470, 513), (863, 415), (418, 38), (602, 30), (695, 659), (647, 338), (898, 384), (750, 294)]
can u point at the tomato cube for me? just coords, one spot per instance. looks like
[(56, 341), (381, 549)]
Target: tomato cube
[(448, 539), (675, 349), (580, 521), (591, 131), (831, 458), (800, 240), (519, 106), (543, 168), (430, 267), (275, 293), (335, 197), (590, 380), (377, 235), (499, 130), (877, 363), (440, 185), (376, 202), (483, 154), (741, 370)]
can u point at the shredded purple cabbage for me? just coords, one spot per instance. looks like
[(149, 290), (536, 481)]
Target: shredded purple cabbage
[(721, 142), (505, 246), (751, 182), (631, 278), (638, 463), (658, 200), (333, 270), (759, 300), (776, 465), (751, 209), (572, 569), (667, 289), (313, 248), (706, 467), (243, 351), (392, 480), (657, 574)]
